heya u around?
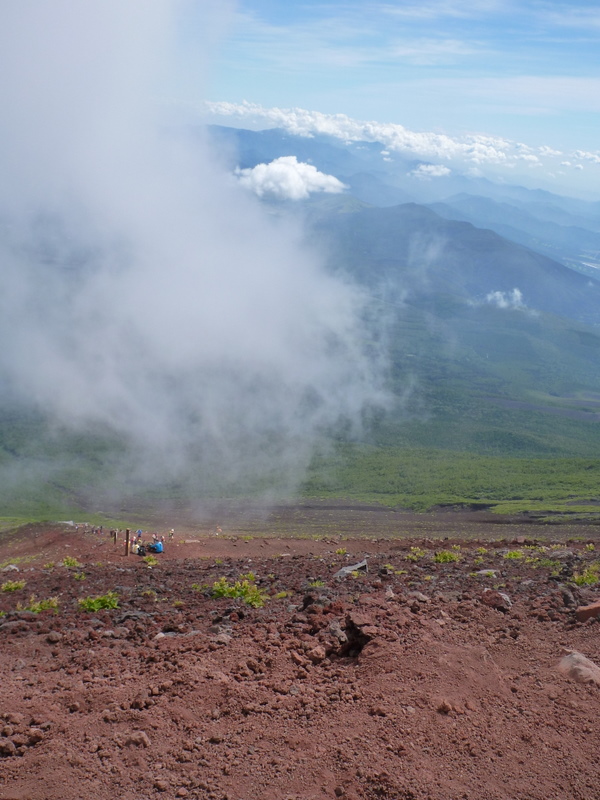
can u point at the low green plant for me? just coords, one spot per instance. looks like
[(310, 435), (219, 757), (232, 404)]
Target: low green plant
[(481, 551), (12, 586), (589, 577), (514, 554), (51, 603), (590, 547), (69, 561), (341, 551), (150, 560), (415, 554), (547, 563), (281, 595), (178, 603), (242, 589), (108, 600), (49, 565), (446, 556), (79, 576), (150, 594), (477, 561)]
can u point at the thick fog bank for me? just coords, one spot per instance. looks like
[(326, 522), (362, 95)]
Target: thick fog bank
[(142, 291)]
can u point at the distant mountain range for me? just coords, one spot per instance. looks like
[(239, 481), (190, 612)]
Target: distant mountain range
[(563, 228), (489, 292)]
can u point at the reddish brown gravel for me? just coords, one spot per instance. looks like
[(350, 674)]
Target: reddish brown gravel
[(406, 682)]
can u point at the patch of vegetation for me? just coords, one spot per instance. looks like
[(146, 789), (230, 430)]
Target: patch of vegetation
[(108, 600), (12, 586), (79, 576), (316, 583), (341, 551), (69, 561), (589, 577), (513, 554), (242, 589), (446, 556), (150, 560), (415, 554), (281, 595), (150, 594), (51, 603)]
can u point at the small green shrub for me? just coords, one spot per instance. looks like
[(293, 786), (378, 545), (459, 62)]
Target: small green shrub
[(415, 554), (446, 556), (12, 586), (589, 576), (281, 595), (49, 565), (316, 583), (108, 600), (242, 589), (514, 554), (341, 551), (79, 576), (150, 560), (39, 605), (69, 561)]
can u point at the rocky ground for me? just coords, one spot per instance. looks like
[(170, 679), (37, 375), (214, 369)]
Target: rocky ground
[(433, 674)]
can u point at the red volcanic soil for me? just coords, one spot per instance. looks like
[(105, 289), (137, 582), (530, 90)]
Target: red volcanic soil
[(406, 682)]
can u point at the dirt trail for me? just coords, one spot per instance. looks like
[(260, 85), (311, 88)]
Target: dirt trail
[(406, 682)]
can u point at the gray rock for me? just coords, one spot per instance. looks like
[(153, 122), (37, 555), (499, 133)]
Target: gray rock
[(361, 566)]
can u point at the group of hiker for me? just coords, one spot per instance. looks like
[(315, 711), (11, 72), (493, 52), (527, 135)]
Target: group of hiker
[(136, 544)]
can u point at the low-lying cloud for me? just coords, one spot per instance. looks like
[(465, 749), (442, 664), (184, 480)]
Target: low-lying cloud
[(143, 293), (287, 178), (510, 300), (467, 152), (426, 171)]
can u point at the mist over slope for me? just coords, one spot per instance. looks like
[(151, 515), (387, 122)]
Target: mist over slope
[(146, 300)]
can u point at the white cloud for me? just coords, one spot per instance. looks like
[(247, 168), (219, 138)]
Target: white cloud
[(289, 179), (142, 290), (510, 300), (476, 148), (425, 171)]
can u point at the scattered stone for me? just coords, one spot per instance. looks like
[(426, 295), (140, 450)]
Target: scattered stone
[(54, 637), (419, 597), (444, 707), (579, 668), (588, 612), (496, 599), (138, 738), (317, 654), (7, 747), (361, 566)]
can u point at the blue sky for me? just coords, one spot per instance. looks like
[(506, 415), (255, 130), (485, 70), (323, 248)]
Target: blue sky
[(526, 72)]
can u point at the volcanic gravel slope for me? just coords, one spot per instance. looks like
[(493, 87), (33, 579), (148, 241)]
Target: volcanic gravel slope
[(408, 682)]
